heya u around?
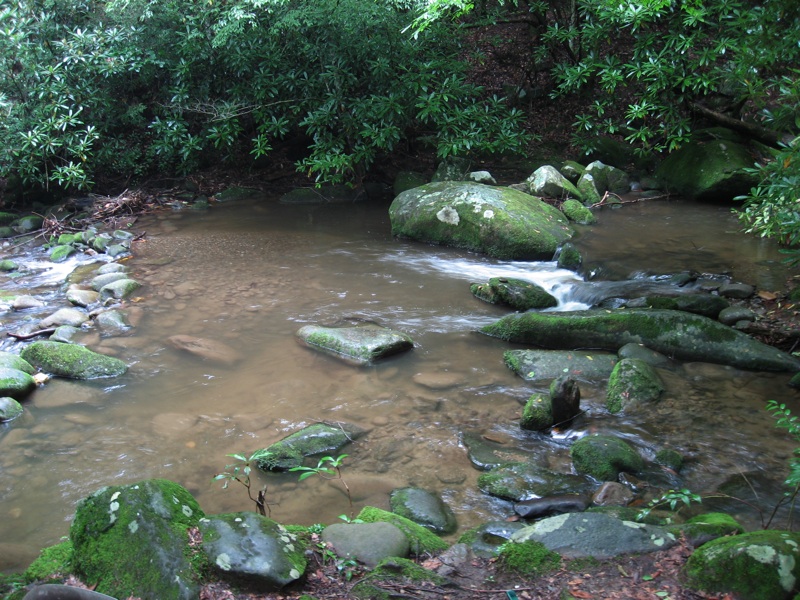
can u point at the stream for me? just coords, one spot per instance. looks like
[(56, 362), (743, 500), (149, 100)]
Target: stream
[(250, 273)]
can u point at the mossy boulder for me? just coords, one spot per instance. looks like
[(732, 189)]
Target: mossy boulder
[(10, 409), (7, 265), (682, 335), (537, 414), (53, 562), (120, 289), (15, 383), (519, 294), (132, 540), (421, 540), (61, 252), (699, 304), (569, 257), (72, 361), (363, 344), (577, 212), (703, 528), (501, 222), (314, 440), (522, 480), (252, 551), (547, 182), (761, 565), (632, 382), (529, 558), (604, 457), (424, 508)]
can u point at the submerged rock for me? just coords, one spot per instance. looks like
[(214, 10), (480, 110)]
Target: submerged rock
[(210, 350), (520, 481), (316, 439), (684, 336), (72, 361), (362, 344), (500, 222)]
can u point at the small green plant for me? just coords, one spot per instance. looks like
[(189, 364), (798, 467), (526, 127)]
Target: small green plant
[(791, 423), (240, 473), (671, 498), (329, 467)]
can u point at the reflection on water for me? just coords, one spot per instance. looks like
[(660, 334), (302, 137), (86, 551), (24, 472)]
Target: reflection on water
[(251, 274)]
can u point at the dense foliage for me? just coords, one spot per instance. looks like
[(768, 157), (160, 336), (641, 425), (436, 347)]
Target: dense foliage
[(124, 87)]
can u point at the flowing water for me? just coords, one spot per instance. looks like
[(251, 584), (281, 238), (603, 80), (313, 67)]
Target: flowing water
[(251, 273)]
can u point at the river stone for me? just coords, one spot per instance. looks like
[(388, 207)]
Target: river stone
[(487, 538), (524, 480), (612, 493), (61, 253), (500, 222), (82, 298), (569, 257), (420, 539), (210, 350), (485, 453), (565, 397), (734, 314), (251, 551), (65, 333), (699, 304), (643, 353), (362, 344), (53, 591), (577, 212), (424, 508), (13, 361), (64, 316), (112, 267), (632, 382), (10, 409), (72, 361), (519, 294), (482, 177), (684, 336), (548, 182), (104, 279), (608, 178), (7, 265), (604, 457), (537, 365), (28, 223), (537, 414), (597, 535), (316, 439), (368, 543), (15, 383), (588, 189), (132, 540), (736, 291), (536, 508), (112, 322), (759, 565), (120, 289)]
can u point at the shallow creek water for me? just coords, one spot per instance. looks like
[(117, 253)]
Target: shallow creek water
[(251, 273)]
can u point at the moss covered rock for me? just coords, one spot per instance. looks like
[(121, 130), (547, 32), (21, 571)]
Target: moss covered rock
[(132, 540), (314, 440), (529, 558), (706, 527), (54, 562), (537, 414), (10, 409), (15, 383), (679, 334), (72, 361), (577, 212), (500, 222), (604, 457), (363, 344), (516, 293), (762, 565), (421, 540), (521, 480), (424, 508), (632, 382)]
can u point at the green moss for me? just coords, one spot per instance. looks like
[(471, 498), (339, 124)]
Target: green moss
[(72, 360), (469, 537), (604, 457), (512, 361), (421, 540), (53, 562), (672, 459), (530, 559), (537, 413), (12, 586), (632, 381), (708, 526), (577, 212), (397, 572)]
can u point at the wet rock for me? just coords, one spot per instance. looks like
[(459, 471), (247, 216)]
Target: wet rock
[(632, 382), (64, 316), (577, 212), (546, 181), (683, 335), (486, 539), (28, 224), (579, 535), (112, 267), (604, 457), (735, 314), (485, 453), (64, 333), (210, 350), (500, 222), (421, 540), (752, 566), (516, 293), (424, 508), (368, 543), (737, 291), (7, 265), (537, 365), (362, 344), (699, 304), (706, 527), (82, 298), (536, 508), (104, 279), (439, 380), (537, 414), (61, 253), (10, 409), (72, 361), (15, 383), (644, 354), (52, 591), (520, 481), (612, 493), (483, 177), (608, 178), (13, 361), (672, 459), (120, 289), (112, 322), (569, 257), (314, 440), (589, 189), (251, 551), (565, 397)]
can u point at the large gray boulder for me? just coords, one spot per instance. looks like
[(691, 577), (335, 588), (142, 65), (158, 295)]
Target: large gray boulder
[(500, 222), (581, 535), (548, 182), (368, 543), (132, 541), (252, 551), (363, 344), (682, 335), (72, 361)]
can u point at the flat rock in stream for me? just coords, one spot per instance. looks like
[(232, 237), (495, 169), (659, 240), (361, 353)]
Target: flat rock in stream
[(210, 350), (536, 365), (363, 344), (678, 334), (72, 361)]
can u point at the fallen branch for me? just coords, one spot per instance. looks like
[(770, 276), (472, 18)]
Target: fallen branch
[(32, 334)]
